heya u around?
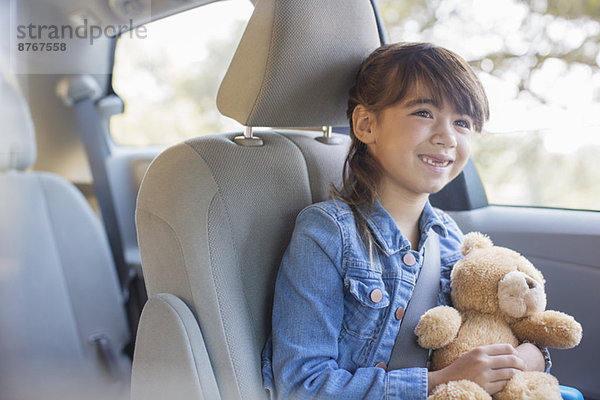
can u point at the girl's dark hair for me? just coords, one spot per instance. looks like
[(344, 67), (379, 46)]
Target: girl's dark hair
[(385, 78)]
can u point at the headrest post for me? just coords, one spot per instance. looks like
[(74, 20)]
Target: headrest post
[(327, 137), (248, 139)]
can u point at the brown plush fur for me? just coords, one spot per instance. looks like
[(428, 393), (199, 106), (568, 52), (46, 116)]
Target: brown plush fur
[(498, 297)]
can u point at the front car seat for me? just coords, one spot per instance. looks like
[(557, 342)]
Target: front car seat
[(215, 214), (62, 321)]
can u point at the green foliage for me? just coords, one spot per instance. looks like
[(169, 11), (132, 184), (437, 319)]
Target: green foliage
[(574, 9)]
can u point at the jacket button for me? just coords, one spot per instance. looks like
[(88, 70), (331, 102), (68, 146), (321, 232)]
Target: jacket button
[(376, 296), (409, 259), (399, 313), (382, 366)]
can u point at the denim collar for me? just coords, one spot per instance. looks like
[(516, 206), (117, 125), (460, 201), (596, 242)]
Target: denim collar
[(388, 235)]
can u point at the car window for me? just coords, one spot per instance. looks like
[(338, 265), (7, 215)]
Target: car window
[(169, 77), (539, 62)]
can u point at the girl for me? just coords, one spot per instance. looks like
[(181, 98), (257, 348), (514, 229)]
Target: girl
[(352, 263)]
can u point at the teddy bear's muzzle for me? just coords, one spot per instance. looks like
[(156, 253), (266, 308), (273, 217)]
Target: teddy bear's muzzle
[(520, 295)]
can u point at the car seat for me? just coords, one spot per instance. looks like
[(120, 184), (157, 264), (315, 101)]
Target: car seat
[(215, 214), (62, 321)]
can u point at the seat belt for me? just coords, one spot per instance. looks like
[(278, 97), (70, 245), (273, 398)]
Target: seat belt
[(81, 93), (406, 352), (97, 150)]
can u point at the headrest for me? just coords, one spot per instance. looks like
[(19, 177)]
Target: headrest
[(17, 135), (296, 62)]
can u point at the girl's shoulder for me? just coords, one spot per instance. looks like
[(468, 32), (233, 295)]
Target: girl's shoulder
[(336, 209), (333, 216)]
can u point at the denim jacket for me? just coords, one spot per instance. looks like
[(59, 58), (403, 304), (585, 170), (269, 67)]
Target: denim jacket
[(329, 332)]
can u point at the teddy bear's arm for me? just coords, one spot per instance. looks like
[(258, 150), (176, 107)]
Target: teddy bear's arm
[(549, 329), (438, 327)]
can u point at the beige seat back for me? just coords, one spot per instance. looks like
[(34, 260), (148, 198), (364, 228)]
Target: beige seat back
[(214, 216)]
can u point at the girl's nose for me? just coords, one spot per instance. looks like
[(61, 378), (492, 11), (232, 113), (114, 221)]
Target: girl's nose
[(445, 135)]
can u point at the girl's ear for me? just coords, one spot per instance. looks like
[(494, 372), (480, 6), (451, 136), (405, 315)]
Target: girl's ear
[(363, 122)]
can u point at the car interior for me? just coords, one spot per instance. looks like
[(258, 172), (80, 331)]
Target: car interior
[(147, 272)]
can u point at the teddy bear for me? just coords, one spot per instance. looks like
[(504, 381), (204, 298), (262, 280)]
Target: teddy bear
[(498, 297)]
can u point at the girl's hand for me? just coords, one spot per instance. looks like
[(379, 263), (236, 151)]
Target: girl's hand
[(491, 367), (533, 357)]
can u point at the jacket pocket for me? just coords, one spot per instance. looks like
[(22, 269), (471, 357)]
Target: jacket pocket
[(365, 305)]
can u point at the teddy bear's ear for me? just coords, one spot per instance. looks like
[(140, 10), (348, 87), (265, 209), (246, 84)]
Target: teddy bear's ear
[(475, 240)]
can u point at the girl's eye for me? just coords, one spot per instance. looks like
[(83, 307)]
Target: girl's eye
[(423, 113), (463, 123)]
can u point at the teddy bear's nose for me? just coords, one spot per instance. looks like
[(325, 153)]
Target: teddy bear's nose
[(530, 283)]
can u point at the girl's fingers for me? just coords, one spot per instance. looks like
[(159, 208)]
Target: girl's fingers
[(507, 361), (499, 349), (497, 379), (495, 387), (502, 375)]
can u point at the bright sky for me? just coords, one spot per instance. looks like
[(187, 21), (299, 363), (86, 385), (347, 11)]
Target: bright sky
[(203, 24)]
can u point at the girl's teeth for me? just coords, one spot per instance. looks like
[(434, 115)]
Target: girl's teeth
[(435, 163)]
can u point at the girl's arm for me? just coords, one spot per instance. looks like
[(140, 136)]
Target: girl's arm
[(307, 322)]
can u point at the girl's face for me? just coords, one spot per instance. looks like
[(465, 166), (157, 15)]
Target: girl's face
[(421, 145)]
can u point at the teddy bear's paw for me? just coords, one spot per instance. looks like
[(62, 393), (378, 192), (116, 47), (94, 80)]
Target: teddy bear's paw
[(459, 390), (438, 327), (530, 386)]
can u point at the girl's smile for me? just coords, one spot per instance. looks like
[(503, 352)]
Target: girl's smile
[(437, 161)]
